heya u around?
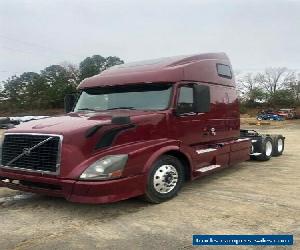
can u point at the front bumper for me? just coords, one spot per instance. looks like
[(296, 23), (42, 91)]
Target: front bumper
[(74, 190)]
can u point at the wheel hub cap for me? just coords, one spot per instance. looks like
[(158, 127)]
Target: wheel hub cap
[(279, 145), (168, 178), (165, 179), (268, 148)]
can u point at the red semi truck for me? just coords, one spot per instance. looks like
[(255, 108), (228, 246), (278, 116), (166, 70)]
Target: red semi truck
[(139, 129)]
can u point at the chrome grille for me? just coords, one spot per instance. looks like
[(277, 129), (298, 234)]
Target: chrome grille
[(43, 156)]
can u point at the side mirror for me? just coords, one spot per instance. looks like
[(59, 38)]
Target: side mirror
[(69, 102), (201, 98)]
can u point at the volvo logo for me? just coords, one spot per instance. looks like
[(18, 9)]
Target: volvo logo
[(213, 131), (26, 151)]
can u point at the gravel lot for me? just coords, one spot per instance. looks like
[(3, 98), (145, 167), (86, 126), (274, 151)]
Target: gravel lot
[(250, 198)]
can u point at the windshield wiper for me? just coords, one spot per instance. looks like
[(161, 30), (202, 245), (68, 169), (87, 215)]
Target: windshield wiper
[(131, 108), (89, 109)]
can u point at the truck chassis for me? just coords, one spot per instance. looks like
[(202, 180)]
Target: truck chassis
[(264, 146)]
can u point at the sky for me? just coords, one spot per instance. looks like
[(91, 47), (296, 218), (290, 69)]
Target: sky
[(255, 34)]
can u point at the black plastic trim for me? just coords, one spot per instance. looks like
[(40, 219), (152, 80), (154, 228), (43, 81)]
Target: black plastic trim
[(91, 131), (108, 137)]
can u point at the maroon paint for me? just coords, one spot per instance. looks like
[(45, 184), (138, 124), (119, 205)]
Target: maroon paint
[(156, 133)]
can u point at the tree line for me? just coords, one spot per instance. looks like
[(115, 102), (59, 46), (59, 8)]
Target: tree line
[(273, 88), (46, 90)]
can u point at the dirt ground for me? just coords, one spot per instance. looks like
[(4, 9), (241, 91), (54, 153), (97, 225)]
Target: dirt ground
[(250, 198)]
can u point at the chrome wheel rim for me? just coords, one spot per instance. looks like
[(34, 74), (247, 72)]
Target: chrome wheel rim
[(279, 145), (268, 148), (165, 179)]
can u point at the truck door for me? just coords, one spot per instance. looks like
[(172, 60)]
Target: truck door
[(190, 127)]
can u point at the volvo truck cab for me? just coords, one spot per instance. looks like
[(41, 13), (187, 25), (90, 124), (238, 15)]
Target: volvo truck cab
[(139, 129)]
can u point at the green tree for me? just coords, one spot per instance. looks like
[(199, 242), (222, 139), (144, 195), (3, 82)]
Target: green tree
[(34, 90), (12, 93), (59, 83), (31, 90), (95, 64), (112, 61), (282, 98), (256, 95), (24, 91)]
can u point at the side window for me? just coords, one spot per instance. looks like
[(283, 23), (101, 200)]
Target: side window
[(186, 99), (224, 70)]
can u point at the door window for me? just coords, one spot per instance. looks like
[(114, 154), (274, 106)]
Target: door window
[(185, 100)]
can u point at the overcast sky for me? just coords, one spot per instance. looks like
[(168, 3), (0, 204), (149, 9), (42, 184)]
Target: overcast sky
[(255, 34)]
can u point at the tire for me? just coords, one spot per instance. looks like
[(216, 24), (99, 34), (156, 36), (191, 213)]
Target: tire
[(164, 180), (267, 150), (278, 145)]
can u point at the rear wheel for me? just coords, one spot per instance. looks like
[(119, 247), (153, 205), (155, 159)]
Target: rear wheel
[(278, 145), (164, 180), (267, 150)]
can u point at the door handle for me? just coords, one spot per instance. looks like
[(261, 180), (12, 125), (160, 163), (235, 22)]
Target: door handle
[(205, 132)]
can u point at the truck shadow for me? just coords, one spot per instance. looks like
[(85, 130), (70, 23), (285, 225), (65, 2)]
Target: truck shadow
[(28, 202)]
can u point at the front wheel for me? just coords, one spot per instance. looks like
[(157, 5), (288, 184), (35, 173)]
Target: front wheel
[(164, 180)]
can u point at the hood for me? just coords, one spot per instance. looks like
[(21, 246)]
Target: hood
[(72, 122), (78, 148)]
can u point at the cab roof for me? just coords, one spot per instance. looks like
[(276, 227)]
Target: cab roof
[(199, 67)]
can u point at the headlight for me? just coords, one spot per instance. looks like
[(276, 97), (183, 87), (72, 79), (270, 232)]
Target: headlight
[(108, 167)]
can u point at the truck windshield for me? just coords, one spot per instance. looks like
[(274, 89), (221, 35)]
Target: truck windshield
[(139, 97)]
